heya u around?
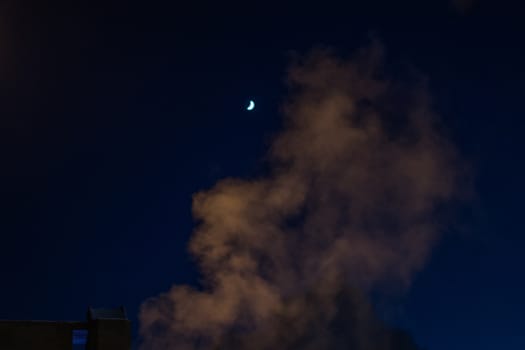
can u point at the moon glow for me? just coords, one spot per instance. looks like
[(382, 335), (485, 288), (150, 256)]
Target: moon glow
[(251, 106)]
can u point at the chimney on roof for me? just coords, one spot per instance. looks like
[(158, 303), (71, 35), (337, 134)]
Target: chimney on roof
[(107, 314)]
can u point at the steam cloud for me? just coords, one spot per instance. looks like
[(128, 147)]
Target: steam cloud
[(352, 201)]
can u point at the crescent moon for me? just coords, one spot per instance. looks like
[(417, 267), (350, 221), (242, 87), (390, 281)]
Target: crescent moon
[(251, 106)]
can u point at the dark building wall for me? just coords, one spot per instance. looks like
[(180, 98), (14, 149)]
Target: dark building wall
[(110, 335), (42, 335), (37, 335)]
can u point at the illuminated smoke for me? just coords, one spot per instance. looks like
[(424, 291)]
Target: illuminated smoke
[(358, 178)]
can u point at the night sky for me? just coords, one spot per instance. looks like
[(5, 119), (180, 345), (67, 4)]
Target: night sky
[(114, 114)]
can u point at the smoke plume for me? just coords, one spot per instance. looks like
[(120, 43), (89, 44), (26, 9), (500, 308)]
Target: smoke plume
[(357, 181)]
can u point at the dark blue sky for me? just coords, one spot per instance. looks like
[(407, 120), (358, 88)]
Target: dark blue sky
[(113, 114)]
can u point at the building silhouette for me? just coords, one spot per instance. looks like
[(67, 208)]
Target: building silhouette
[(104, 329)]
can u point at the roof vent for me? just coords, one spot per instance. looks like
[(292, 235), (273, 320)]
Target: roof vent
[(106, 314)]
